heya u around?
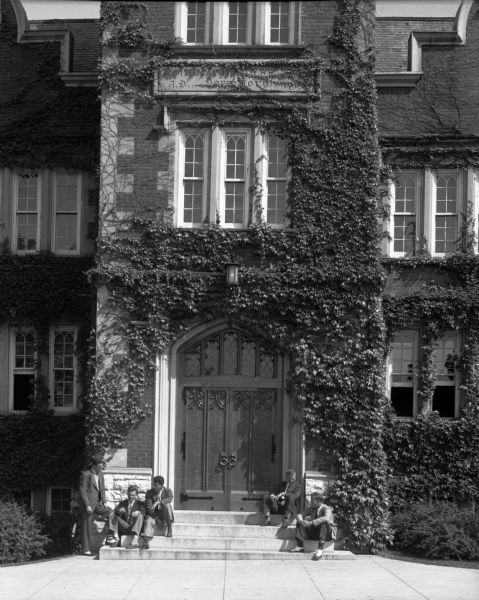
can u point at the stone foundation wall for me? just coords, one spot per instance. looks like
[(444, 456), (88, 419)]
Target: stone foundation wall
[(117, 480)]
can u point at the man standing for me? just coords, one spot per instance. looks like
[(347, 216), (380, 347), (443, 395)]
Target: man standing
[(126, 519), (316, 524), (92, 494), (158, 508), (283, 500)]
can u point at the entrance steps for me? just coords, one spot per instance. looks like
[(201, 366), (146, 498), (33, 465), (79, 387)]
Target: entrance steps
[(215, 535)]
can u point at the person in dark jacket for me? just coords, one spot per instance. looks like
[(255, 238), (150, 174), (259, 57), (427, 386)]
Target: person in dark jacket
[(158, 508), (92, 495), (283, 500), (126, 519), (317, 523)]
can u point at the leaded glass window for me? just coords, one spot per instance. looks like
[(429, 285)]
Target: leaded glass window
[(230, 353)]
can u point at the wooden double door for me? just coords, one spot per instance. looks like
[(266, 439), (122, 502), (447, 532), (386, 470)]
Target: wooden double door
[(229, 443)]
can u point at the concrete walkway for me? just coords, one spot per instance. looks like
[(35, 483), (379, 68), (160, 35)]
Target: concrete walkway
[(366, 578)]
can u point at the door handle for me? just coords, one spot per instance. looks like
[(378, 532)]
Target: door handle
[(232, 460), (223, 459)]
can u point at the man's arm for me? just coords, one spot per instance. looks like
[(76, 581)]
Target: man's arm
[(168, 497), (84, 479), (325, 515)]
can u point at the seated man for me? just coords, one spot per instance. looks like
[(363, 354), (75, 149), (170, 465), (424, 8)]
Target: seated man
[(283, 500), (316, 524), (158, 508), (127, 518)]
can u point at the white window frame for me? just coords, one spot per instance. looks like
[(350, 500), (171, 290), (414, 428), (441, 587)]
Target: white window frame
[(389, 371), (258, 28), (181, 23), (180, 170), (16, 183), (214, 193), (456, 335), (14, 331), (434, 176), (392, 195), (77, 212), (221, 192), (53, 330), (221, 31), (262, 162), (267, 25), (49, 510)]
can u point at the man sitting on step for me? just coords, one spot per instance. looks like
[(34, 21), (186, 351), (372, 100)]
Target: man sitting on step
[(283, 500), (126, 519), (158, 509), (317, 523)]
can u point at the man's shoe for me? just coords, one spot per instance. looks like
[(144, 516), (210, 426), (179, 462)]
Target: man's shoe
[(134, 543), (318, 554), (267, 521), (298, 549), (169, 531), (112, 540), (87, 553), (146, 546)]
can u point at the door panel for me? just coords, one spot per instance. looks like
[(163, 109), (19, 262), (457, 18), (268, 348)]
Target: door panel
[(226, 439)]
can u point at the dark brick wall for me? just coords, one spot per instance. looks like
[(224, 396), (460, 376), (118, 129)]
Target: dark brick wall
[(445, 100), (392, 40)]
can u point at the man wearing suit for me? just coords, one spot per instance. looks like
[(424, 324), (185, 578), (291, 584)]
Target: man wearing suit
[(317, 523), (158, 508), (283, 500), (126, 519), (92, 494)]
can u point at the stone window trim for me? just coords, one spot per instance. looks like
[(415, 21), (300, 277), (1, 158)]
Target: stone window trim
[(214, 177), (418, 220), (213, 18), (406, 349)]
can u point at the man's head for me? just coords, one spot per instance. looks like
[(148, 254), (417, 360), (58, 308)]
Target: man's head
[(96, 465), (316, 499), (290, 475), (158, 482), (132, 492)]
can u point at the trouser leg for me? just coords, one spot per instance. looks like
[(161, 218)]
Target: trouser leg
[(166, 514), (86, 519)]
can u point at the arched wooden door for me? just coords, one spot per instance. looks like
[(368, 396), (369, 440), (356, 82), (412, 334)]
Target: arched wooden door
[(229, 422)]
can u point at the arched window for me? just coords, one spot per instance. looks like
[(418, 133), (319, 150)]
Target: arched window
[(230, 352)]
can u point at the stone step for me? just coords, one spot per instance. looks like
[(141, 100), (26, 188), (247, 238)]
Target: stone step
[(228, 531), (204, 554), (225, 517)]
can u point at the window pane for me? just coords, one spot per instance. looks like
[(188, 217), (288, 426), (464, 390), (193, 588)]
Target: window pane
[(66, 192), (61, 498), (279, 24), (405, 196), (193, 182), (196, 20), (234, 202), (276, 206), (23, 391), (446, 234), (405, 234), (238, 18), (63, 369), (194, 145), (235, 157), (27, 192), (248, 358), (446, 194), (27, 232), (24, 351), (230, 353), (444, 401), (277, 157), (402, 401), (66, 232), (211, 357), (193, 362)]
